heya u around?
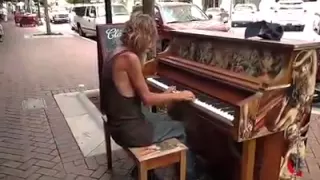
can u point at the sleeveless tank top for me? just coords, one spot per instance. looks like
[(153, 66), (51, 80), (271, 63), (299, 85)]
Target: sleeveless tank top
[(126, 121)]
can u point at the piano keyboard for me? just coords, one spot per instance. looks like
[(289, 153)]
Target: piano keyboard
[(204, 103)]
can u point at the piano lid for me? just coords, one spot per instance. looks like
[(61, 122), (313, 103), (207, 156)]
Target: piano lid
[(239, 38), (250, 64)]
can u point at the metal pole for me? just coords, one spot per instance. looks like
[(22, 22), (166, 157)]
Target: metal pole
[(39, 14), (148, 7), (108, 9), (230, 12)]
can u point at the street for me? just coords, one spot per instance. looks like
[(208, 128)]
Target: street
[(307, 34)]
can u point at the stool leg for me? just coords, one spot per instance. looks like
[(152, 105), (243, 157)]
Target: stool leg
[(108, 145), (183, 164), (143, 172)]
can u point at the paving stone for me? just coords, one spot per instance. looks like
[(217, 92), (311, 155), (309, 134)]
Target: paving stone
[(92, 163), (46, 164), (46, 171), (99, 172), (28, 164), (48, 178), (34, 177), (84, 178), (12, 164)]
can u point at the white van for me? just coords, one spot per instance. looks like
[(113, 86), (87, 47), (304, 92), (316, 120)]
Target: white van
[(89, 15), (290, 13)]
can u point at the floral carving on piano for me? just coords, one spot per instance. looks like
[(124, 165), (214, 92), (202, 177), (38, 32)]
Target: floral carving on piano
[(253, 62), (248, 119), (188, 49)]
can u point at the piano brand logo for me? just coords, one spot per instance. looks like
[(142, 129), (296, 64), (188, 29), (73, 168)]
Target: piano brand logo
[(113, 33)]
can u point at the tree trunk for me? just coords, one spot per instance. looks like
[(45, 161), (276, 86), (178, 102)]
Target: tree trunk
[(148, 7), (28, 6), (46, 16)]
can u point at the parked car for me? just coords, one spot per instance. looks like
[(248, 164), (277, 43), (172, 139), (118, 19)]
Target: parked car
[(243, 14), (316, 23), (290, 14), (72, 14), (218, 14), (88, 16), (59, 15), (180, 15)]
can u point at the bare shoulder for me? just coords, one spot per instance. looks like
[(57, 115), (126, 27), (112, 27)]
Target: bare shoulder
[(128, 58)]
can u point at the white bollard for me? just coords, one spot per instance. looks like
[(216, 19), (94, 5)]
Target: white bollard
[(81, 87)]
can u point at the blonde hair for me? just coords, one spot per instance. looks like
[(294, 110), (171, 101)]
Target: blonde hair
[(140, 33)]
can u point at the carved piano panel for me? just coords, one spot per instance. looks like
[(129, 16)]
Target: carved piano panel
[(258, 67)]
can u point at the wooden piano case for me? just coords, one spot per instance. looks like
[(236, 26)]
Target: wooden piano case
[(269, 84)]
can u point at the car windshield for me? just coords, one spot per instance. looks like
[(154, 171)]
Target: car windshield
[(182, 13), (116, 10), (215, 10), (59, 10), (243, 8)]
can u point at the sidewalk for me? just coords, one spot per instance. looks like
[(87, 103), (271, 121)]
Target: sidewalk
[(35, 140)]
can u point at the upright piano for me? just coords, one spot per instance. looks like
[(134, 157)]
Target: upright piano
[(253, 100)]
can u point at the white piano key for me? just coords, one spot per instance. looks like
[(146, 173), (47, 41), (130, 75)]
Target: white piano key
[(198, 102), (158, 83)]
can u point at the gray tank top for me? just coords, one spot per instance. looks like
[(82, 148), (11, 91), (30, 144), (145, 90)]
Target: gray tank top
[(126, 121)]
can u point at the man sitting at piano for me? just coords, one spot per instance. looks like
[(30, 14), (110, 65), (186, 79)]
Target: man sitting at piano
[(124, 90)]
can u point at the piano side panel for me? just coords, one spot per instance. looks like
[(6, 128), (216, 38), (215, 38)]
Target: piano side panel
[(292, 112), (283, 109), (258, 115)]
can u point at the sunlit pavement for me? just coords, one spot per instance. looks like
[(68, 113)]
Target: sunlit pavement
[(64, 28)]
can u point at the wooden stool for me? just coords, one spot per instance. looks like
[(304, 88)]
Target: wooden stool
[(155, 156), (161, 155)]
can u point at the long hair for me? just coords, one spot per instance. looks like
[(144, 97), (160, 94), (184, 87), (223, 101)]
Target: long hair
[(140, 33)]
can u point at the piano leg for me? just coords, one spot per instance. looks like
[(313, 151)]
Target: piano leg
[(272, 153), (248, 159)]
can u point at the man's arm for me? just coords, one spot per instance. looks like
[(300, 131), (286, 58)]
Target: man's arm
[(132, 66)]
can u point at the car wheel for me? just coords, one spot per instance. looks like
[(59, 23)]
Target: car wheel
[(81, 33)]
